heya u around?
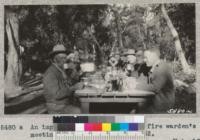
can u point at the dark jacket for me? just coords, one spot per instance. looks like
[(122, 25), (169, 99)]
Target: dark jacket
[(162, 82), (56, 90), (142, 69)]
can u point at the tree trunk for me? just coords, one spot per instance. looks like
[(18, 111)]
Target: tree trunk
[(14, 69), (119, 35), (142, 37), (178, 47), (99, 49)]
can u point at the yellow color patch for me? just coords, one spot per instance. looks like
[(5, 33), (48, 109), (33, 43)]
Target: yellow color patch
[(106, 127)]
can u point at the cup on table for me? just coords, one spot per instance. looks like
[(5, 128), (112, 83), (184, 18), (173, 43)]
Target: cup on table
[(129, 83), (85, 81)]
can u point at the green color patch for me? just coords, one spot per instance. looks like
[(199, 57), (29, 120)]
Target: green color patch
[(115, 126)]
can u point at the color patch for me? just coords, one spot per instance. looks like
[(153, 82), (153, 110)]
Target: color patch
[(70, 119), (115, 126), (79, 127), (106, 127), (133, 126), (97, 127), (128, 119), (119, 119), (71, 127), (88, 127), (124, 126), (138, 119), (141, 126), (66, 127)]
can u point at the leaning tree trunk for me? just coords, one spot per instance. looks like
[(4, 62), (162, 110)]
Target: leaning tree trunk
[(14, 68), (119, 34), (100, 51), (175, 35)]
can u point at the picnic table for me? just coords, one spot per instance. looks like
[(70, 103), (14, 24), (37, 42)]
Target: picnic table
[(87, 96)]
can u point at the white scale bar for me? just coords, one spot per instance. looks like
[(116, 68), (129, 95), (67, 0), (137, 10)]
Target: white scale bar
[(99, 136)]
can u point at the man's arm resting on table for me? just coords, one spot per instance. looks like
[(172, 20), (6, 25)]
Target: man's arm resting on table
[(77, 86), (155, 86)]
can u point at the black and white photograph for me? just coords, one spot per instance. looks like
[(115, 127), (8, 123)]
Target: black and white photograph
[(100, 59)]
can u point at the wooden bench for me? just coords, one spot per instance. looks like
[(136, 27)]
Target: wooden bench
[(30, 101)]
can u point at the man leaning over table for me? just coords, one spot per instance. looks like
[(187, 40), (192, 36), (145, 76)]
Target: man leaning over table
[(161, 83), (57, 90)]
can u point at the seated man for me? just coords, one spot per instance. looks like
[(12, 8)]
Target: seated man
[(140, 66), (161, 83), (56, 85)]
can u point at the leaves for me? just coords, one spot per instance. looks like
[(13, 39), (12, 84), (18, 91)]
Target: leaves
[(140, 26)]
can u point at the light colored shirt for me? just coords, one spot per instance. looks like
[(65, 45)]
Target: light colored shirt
[(154, 65)]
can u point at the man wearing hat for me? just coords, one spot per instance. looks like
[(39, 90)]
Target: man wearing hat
[(131, 60), (57, 90), (130, 54)]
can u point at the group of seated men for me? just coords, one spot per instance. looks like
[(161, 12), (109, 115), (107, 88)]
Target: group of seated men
[(58, 90)]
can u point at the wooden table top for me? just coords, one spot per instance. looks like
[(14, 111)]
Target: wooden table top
[(130, 93)]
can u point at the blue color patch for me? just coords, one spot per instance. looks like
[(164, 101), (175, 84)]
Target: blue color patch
[(133, 126), (124, 127)]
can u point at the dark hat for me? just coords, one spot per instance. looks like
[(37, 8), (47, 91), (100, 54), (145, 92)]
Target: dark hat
[(59, 48)]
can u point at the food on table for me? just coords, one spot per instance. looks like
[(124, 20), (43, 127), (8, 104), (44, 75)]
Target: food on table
[(88, 67)]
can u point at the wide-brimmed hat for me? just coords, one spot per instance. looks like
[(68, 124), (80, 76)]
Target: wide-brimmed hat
[(59, 48), (130, 52)]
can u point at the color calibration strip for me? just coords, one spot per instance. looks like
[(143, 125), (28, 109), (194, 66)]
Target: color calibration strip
[(99, 128), (86, 119), (106, 127), (96, 123)]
